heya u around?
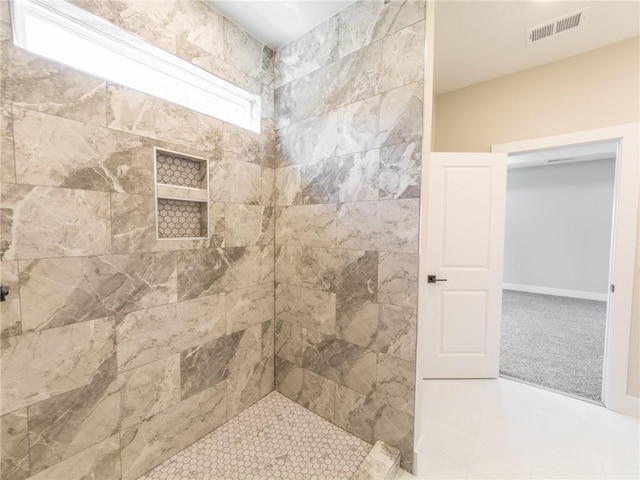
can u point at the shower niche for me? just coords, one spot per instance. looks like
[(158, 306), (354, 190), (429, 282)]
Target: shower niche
[(182, 196)]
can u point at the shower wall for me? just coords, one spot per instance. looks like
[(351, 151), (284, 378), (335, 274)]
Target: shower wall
[(349, 131), (118, 350)]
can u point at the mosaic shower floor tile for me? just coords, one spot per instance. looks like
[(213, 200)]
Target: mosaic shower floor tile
[(273, 439)]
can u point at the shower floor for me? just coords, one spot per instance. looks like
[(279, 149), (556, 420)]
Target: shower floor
[(275, 438)]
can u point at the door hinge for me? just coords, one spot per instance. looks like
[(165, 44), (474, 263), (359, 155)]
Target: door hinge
[(613, 288)]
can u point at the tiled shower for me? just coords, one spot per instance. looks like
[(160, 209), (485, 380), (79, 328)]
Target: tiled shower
[(119, 349)]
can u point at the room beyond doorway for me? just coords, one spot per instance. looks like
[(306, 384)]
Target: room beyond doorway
[(556, 268)]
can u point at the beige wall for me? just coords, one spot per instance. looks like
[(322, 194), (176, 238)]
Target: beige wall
[(592, 90)]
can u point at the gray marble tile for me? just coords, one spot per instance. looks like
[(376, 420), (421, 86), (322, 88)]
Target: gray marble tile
[(267, 264), (135, 112), (307, 53), (357, 176), (213, 362), (151, 442), (246, 307), (7, 157), (38, 84), (247, 387), (69, 423), (98, 462), (288, 342), (352, 78), (339, 361), (372, 420), (146, 21), (366, 21), (312, 309), (268, 194), (400, 171), (389, 226), (10, 316), (308, 225), (14, 451), (306, 388), (247, 54), (42, 222), (37, 366), (247, 225), (268, 107), (133, 226), (232, 181), (56, 292), (316, 268), (388, 119), (358, 321), (337, 179), (381, 462), (148, 390), (268, 338), (199, 30), (245, 146), (398, 279), (156, 333), (209, 271), (403, 57), (57, 152), (396, 383), (314, 138), (395, 333), (5, 14)]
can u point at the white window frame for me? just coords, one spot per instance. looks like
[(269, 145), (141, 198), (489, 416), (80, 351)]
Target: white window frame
[(68, 34)]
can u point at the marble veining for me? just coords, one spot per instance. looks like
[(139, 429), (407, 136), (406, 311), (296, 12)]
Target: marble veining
[(387, 119), (369, 418), (42, 222), (313, 50), (366, 21), (141, 114), (273, 439), (40, 365), (54, 151), (67, 424), (209, 271), (10, 313), (147, 444), (309, 225), (57, 292), (390, 226), (312, 309), (14, 451), (212, 362), (148, 335), (348, 178)]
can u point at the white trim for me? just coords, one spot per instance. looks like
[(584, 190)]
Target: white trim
[(558, 292), (67, 34), (623, 254)]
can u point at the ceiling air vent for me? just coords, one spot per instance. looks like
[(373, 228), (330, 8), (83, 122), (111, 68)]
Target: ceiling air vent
[(556, 26)]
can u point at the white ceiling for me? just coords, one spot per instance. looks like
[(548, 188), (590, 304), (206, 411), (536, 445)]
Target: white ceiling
[(276, 23), (480, 40)]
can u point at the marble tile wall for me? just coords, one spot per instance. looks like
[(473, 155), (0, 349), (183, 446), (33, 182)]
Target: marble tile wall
[(118, 349), (348, 103)]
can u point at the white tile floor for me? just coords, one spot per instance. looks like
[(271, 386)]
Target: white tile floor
[(273, 439), (505, 429)]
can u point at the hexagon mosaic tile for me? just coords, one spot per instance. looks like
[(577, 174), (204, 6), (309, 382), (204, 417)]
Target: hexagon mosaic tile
[(273, 439), (181, 219), (184, 172)]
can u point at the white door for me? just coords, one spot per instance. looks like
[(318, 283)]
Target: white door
[(465, 237)]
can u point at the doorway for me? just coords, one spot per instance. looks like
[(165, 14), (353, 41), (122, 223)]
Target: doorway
[(557, 251)]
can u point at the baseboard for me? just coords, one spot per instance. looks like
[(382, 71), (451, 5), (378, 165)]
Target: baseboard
[(601, 297)]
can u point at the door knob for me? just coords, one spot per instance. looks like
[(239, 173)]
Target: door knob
[(433, 279)]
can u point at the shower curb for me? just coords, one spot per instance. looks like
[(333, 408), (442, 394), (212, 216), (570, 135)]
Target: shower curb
[(381, 463)]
